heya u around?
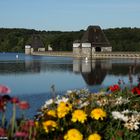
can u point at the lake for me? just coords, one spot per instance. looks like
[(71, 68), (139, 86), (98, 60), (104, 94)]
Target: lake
[(31, 77)]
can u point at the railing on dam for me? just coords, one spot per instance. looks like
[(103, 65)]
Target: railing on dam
[(94, 55), (116, 55), (56, 53)]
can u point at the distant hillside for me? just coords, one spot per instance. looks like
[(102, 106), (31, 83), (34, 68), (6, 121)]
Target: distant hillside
[(14, 40), (124, 39)]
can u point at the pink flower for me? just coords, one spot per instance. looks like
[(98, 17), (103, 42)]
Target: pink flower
[(23, 105), (21, 134), (4, 89)]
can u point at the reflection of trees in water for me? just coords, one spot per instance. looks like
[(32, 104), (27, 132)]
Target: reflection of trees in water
[(12, 67), (21, 67), (124, 69), (131, 70), (58, 67)]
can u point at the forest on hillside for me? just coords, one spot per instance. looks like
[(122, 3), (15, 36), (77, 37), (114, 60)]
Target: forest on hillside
[(14, 40)]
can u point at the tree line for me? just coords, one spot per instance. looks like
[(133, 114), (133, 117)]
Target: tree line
[(14, 40)]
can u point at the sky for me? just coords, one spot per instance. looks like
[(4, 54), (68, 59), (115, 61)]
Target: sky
[(69, 15)]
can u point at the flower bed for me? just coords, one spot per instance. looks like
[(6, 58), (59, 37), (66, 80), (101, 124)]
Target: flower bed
[(113, 114)]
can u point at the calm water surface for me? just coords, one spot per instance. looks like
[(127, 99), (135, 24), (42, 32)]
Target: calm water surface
[(31, 77)]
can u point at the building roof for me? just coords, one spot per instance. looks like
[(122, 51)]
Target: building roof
[(36, 42), (77, 41), (95, 36)]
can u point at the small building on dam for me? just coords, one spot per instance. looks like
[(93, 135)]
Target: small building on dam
[(36, 45), (93, 40)]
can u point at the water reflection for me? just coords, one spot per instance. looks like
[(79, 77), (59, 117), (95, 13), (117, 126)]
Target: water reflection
[(31, 77), (94, 72), (24, 67)]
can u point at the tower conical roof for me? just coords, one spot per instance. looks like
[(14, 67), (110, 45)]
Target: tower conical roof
[(36, 42), (95, 36)]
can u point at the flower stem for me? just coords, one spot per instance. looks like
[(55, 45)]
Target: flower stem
[(3, 119), (13, 120)]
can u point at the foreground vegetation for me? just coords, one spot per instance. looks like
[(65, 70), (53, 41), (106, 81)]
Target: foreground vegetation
[(112, 114), (14, 40)]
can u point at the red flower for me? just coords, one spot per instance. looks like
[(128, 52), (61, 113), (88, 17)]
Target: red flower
[(14, 100), (6, 98), (23, 105), (2, 105), (136, 90), (27, 125), (4, 89), (2, 132), (120, 133), (31, 123), (114, 88)]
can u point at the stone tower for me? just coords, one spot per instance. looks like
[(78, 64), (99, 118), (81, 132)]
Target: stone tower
[(36, 45), (93, 40)]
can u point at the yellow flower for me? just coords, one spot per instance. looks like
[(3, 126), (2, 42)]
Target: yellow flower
[(79, 115), (94, 136), (98, 113), (63, 109), (51, 113), (49, 125), (73, 134), (36, 124)]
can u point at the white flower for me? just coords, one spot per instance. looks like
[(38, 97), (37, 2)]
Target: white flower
[(121, 100), (47, 103), (132, 125), (126, 111), (84, 104), (120, 116), (134, 118), (69, 91), (63, 99), (50, 101), (102, 102)]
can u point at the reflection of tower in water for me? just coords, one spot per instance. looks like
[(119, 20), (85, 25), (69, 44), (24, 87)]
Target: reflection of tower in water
[(92, 71), (132, 71)]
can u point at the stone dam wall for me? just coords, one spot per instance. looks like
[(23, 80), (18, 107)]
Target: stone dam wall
[(94, 55)]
